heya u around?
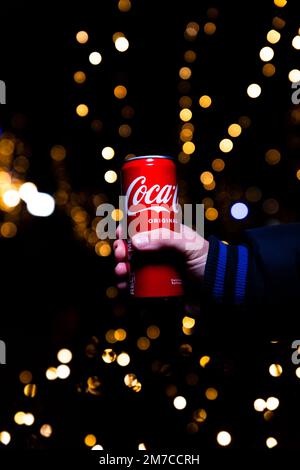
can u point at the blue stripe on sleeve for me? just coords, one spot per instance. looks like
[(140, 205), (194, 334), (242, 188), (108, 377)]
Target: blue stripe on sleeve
[(241, 275), (220, 273)]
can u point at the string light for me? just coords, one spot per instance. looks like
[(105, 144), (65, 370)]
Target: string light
[(121, 44), (205, 101), (95, 58), (254, 90), (266, 54), (82, 37), (296, 42), (294, 76), (226, 145), (224, 438), (179, 402)]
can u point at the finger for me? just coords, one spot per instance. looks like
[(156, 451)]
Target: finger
[(119, 231), (157, 239), (122, 269), (120, 250)]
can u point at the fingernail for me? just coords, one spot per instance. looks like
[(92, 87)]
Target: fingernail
[(140, 240)]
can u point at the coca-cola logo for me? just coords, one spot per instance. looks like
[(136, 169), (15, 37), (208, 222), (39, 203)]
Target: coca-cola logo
[(140, 197)]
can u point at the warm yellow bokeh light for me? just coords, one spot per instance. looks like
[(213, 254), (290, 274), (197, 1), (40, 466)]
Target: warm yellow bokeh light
[(272, 156), (218, 164), (200, 415), (205, 101), (278, 22), (153, 332), (226, 145), (211, 393), (57, 153), (51, 373), (271, 442), (259, 404), (109, 355), (192, 30), (185, 102), (79, 77), (185, 114), (82, 37), (110, 176), (234, 130), (11, 198), (143, 343), (120, 92), (190, 56), (268, 70), (63, 371), (179, 403), (272, 403), (266, 54), (223, 438), (117, 215), (294, 76), (25, 377), (273, 36), (188, 148), (186, 135), (103, 248), (82, 110), (123, 359), (121, 44), (204, 360), (108, 153), (211, 214), (90, 440), (275, 370), (5, 437), (298, 174), (95, 58), (253, 90), (125, 130), (120, 334), (296, 42), (280, 3), (64, 356), (46, 430), (124, 5), (185, 73), (188, 322), (29, 419), (30, 390), (210, 28), (19, 417), (206, 177), (8, 230)]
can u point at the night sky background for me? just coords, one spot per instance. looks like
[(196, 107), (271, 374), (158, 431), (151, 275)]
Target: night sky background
[(57, 280)]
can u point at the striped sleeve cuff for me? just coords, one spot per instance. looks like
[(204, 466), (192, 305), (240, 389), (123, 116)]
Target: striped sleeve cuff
[(226, 273)]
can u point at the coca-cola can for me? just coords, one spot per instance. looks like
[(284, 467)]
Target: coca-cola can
[(150, 187)]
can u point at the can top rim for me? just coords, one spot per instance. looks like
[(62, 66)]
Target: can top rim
[(143, 157)]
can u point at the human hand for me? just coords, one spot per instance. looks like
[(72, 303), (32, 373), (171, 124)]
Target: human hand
[(189, 243)]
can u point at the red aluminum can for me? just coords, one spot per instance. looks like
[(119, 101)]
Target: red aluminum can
[(150, 186)]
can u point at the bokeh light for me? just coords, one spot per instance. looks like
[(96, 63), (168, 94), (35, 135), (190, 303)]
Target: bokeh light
[(239, 210), (226, 145), (185, 114), (254, 90), (271, 442), (179, 402), (120, 92), (223, 438), (294, 76), (95, 58), (82, 37), (205, 101), (79, 77), (296, 43), (82, 110), (234, 130), (266, 54), (121, 44), (273, 36), (110, 176), (64, 356), (108, 153)]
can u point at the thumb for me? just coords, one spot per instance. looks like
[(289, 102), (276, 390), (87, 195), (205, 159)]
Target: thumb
[(158, 239)]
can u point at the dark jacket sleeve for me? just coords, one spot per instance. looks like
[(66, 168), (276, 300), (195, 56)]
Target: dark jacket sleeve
[(264, 270)]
